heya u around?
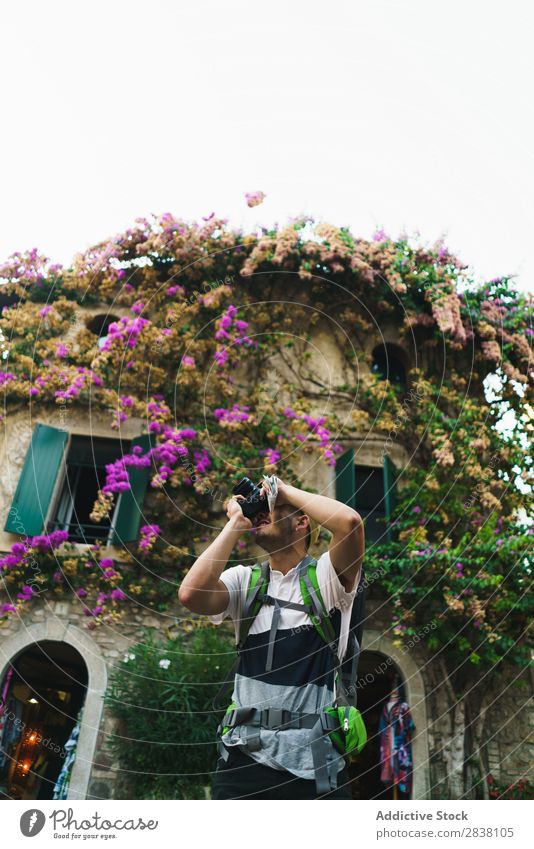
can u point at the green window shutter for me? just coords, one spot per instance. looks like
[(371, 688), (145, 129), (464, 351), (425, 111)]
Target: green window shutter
[(390, 485), (131, 502), (346, 479), (29, 509)]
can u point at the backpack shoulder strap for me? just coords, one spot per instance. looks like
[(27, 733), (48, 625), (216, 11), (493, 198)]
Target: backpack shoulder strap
[(258, 585), (311, 595), (349, 667)]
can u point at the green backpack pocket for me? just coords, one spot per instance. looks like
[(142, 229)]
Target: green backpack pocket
[(351, 736)]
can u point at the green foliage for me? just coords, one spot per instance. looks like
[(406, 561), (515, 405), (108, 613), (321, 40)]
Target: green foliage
[(165, 742), (213, 312)]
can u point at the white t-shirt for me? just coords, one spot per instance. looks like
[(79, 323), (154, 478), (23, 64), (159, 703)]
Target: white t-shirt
[(287, 587)]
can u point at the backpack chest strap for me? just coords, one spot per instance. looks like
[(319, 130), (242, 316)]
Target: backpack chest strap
[(279, 603)]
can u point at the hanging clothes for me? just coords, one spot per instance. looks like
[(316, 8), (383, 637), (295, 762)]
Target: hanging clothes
[(395, 729), (12, 730), (61, 788), (3, 706)]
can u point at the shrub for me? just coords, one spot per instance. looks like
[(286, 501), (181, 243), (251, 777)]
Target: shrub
[(162, 695)]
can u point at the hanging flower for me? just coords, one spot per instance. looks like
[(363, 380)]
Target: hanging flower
[(149, 535), (254, 198)]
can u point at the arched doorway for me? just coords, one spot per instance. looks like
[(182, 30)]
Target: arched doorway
[(43, 693), (391, 660), (376, 676), (59, 632)]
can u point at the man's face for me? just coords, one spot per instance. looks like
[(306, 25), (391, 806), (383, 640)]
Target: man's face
[(277, 531)]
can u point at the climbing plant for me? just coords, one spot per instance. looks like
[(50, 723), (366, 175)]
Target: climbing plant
[(205, 313)]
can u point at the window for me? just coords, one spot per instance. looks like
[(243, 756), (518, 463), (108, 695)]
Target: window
[(370, 490), (99, 325), (388, 363), (85, 473), (73, 467)]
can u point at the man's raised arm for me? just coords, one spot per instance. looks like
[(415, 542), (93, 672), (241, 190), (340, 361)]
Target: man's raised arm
[(202, 590), (345, 524)]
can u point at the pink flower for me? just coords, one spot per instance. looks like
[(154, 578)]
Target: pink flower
[(149, 535), (380, 236), (188, 361), (254, 198), (271, 456)]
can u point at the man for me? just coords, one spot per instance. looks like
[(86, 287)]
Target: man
[(301, 674)]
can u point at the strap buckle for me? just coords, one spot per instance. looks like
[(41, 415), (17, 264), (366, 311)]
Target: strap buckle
[(238, 716), (275, 717)]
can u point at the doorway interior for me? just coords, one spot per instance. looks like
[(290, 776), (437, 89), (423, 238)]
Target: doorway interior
[(42, 694), (376, 676)]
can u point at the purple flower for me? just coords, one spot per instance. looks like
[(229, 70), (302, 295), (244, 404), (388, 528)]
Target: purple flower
[(380, 236), (272, 457), (57, 537), (149, 535)]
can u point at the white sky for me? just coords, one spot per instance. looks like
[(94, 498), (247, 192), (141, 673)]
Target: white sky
[(408, 115)]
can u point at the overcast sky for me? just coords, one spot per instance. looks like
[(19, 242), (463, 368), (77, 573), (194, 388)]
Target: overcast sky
[(411, 116)]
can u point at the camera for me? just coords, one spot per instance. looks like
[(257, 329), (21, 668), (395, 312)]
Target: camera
[(256, 501)]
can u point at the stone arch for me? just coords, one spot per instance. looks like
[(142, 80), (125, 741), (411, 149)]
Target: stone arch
[(54, 629), (415, 694)]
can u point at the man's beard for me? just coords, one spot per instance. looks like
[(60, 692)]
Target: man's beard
[(281, 540)]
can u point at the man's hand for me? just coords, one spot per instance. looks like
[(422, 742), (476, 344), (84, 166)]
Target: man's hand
[(235, 514), (281, 498)]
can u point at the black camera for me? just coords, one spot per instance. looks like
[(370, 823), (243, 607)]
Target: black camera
[(256, 501)]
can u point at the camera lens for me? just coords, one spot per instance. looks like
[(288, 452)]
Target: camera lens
[(255, 501)]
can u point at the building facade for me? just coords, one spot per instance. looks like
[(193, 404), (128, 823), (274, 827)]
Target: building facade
[(53, 671)]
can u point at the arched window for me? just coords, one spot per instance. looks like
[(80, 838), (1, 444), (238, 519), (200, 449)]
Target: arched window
[(388, 363), (99, 325)]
